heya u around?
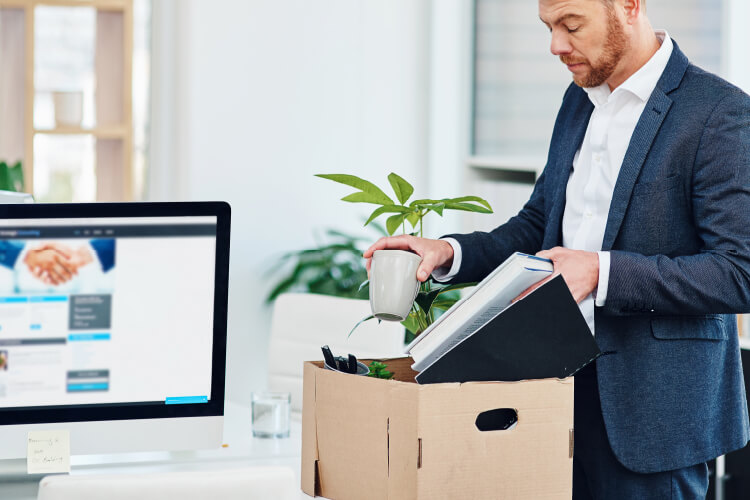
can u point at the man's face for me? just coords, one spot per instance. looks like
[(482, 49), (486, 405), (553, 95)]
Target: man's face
[(587, 36)]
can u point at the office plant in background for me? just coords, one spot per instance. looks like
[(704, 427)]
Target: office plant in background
[(11, 176), (433, 299), (334, 267)]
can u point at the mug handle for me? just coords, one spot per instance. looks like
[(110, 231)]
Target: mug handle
[(416, 291)]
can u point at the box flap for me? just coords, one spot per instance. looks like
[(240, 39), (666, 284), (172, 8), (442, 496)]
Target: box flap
[(403, 449), (351, 418), (309, 436)]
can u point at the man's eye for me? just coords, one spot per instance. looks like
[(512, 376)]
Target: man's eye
[(573, 30)]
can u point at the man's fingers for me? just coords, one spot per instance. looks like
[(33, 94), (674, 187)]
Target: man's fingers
[(64, 269), (389, 242), (550, 254), (429, 263), (52, 277), (57, 275)]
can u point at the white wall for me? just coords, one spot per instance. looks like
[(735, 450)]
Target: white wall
[(737, 41), (253, 97)]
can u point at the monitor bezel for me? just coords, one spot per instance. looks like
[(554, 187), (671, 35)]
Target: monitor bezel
[(146, 409)]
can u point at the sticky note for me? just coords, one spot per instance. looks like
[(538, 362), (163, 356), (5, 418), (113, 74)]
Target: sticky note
[(48, 452)]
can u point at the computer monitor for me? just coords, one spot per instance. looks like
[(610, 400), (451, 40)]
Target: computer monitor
[(113, 325)]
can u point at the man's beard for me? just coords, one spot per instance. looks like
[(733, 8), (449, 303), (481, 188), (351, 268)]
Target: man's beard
[(602, 69)]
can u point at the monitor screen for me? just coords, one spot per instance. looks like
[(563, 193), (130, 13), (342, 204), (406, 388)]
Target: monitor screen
[(112, 312)]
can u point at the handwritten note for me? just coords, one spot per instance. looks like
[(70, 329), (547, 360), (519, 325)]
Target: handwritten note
[(48, 452)]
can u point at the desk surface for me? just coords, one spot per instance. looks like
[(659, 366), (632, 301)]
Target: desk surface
[(242, 450)]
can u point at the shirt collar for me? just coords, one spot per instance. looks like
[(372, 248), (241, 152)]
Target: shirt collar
[(642, 82)]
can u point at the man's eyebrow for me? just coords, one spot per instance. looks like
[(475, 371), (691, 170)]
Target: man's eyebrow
[(564, 18)]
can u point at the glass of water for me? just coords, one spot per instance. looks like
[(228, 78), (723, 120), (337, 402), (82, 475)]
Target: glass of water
[(270, 414)]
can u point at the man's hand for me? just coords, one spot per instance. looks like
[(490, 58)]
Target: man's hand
[(81, 257), (434, 253), (579, 269)]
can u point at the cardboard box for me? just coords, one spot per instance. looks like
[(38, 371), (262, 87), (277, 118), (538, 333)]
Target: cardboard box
[(391, 439)]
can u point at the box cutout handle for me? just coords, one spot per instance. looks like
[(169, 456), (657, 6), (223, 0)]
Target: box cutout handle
[(500, 419)]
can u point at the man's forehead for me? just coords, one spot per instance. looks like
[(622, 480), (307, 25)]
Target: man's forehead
[(555, 11)]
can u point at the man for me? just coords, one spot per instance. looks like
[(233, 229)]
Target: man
[(644, 208)]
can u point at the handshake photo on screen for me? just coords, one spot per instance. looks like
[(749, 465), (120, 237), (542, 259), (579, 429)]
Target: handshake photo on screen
[(56, 264)]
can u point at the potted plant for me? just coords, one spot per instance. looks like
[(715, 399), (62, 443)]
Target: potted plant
[(11, 176), (432, 298), (333, 267)]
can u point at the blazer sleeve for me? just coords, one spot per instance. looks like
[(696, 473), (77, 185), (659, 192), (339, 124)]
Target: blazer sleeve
[(105, 252), (9, 252), (484, 251), (717, 278)]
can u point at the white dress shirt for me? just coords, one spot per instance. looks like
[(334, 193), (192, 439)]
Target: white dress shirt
[(596, 166)]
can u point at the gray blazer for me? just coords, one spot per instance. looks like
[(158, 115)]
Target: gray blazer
[(678, 230)]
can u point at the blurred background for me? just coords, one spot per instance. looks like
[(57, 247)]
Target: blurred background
[(245, 100)]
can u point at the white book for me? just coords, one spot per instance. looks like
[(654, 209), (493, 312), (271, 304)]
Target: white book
[(490, 297)]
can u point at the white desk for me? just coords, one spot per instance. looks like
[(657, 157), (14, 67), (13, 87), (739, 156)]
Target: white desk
[(241, 450)]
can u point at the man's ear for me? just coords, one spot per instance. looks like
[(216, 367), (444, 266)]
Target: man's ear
[(632, 9)]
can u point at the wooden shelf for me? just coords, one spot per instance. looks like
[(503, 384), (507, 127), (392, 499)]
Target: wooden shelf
[(115, 132), (113, 54)]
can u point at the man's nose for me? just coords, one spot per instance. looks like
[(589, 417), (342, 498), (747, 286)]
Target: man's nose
[(560, 44)]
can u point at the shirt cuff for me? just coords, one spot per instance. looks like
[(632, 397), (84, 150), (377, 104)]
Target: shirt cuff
[(442, 274), (600, 293)]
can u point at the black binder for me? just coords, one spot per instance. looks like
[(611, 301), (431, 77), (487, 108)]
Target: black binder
[(543, 335)]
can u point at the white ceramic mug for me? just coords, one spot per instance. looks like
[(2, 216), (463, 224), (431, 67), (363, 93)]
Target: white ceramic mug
[(393, 283)]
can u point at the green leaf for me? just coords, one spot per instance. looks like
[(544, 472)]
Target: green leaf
[(362, 185), (413, 219), (359, 323), (437, 207), (386, 209), (477, 199), (457, 286), (467, 207), (393, 222), (424, 202), (378, 370), (425, 300), (411, 323), (280, 288), (444, 304), (402, 188), (363, 197)]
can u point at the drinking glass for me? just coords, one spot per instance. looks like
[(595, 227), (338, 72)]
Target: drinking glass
[(270, 414)]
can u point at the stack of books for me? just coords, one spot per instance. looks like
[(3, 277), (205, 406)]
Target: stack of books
[(488, 335)]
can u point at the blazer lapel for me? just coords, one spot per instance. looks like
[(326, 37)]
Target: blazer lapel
[(564, 164), (640, 143)]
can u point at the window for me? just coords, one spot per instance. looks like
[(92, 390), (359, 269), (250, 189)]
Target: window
[(81, 134), (518, 84)]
